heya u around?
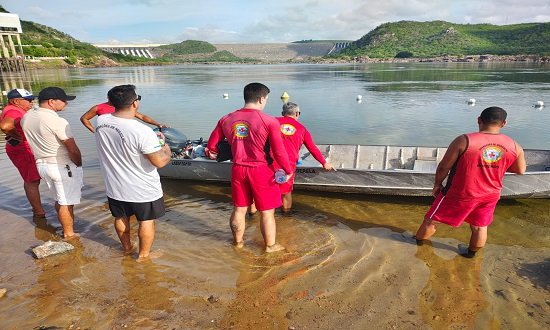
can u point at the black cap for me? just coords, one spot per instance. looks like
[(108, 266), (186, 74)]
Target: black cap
[(54, 93)]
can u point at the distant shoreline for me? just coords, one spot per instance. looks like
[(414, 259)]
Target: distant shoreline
[(53, 64)]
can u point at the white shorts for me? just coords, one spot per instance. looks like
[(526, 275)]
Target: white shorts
[(65, 183)]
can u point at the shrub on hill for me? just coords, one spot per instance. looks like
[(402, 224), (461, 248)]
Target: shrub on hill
[(439, 38)]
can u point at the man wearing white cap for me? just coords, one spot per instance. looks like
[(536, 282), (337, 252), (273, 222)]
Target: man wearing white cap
[(17, 147), (58, 158)]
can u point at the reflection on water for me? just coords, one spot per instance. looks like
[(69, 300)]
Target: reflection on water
[(350, 261)]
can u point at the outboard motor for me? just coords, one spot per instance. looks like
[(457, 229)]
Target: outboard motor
[(176, 140)]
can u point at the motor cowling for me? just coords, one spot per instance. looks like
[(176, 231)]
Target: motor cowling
[(175, 139)]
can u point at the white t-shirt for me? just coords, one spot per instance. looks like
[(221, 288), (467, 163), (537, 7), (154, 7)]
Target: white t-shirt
[(122, 145), (45, 131)]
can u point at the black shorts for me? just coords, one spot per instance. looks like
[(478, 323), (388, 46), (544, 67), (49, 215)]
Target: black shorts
[(143, 211)]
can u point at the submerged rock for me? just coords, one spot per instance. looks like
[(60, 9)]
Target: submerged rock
[(50, 248)]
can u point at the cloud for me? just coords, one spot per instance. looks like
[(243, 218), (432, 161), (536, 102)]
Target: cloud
[(260, 21), (208, 33)]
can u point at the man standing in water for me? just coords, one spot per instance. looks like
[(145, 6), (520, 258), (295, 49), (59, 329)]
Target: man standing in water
[(129, 155), (58, 158), (248, 130), (18, 149), (474, 166), (294, 136)]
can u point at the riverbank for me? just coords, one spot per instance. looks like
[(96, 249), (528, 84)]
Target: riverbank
[(105, 62)]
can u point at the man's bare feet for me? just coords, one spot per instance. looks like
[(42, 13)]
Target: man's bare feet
[(130, 250), (238, 245), (152, 255), (70, 237), (274, 248)]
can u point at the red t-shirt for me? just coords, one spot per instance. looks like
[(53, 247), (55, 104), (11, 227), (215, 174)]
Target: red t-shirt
[(294, 136), (104, 108), (247, 131), (478, 172), (11, 111)]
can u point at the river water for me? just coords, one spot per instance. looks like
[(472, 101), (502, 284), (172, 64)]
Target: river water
[(349, 264)]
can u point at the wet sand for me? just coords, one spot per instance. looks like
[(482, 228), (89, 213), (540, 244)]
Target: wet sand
[(350, 264)]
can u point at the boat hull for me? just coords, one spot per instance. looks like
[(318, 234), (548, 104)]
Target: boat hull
[(400, 182)]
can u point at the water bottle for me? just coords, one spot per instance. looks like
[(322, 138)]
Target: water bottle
[(280, 176)]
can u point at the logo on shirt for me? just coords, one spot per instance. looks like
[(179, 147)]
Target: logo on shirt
[(288, 129), (241, 130), (492, 153)]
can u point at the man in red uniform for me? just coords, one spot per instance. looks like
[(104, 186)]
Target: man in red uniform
[(474, 166), (294, 136), (17, 147), (248, 130)]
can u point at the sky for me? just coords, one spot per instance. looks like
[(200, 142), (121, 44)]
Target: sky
[(257, 21)]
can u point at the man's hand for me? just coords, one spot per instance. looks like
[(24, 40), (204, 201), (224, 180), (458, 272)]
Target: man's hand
[(329, 167), (436, 190), (211, 154), (161, 137), (288, 176), (161, 126)]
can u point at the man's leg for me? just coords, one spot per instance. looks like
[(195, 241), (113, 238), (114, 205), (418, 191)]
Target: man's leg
[(146, 233), (66, 218), (237, 222), (33, 195), (122, 227), (477, 240), (425, 231), (269, 230), (287, 202)]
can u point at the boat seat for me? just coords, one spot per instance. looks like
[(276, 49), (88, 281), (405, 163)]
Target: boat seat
[(422, 165)]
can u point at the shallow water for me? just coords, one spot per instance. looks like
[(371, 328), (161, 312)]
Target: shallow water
[(350, 262)]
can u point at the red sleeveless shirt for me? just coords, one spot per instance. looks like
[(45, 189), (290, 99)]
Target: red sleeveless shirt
[(478, 172)]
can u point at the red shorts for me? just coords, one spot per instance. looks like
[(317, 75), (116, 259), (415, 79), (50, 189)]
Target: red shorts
[(254, 184), (454, 211), (23, 159)]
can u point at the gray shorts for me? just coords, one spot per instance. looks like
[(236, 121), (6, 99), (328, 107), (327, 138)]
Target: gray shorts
[(143, 211)]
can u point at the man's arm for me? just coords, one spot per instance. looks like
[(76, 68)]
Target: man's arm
[(74, 151), (215, 137), (149, 120), (160, 158), (87, 116), (455, 149), (315, 152), (519, 166), (7, 125), (278, 148)]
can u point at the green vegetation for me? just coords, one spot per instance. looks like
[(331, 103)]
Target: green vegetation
[(188, 47), (311, 41), (42, 41), (195, 51), (439, 38)]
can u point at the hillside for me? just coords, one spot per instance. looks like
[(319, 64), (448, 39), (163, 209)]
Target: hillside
[(194, 51), (439, 38)]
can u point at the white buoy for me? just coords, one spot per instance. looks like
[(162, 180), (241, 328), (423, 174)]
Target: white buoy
[(472, 101), (225, 95), (359, 97), (539, 104)]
